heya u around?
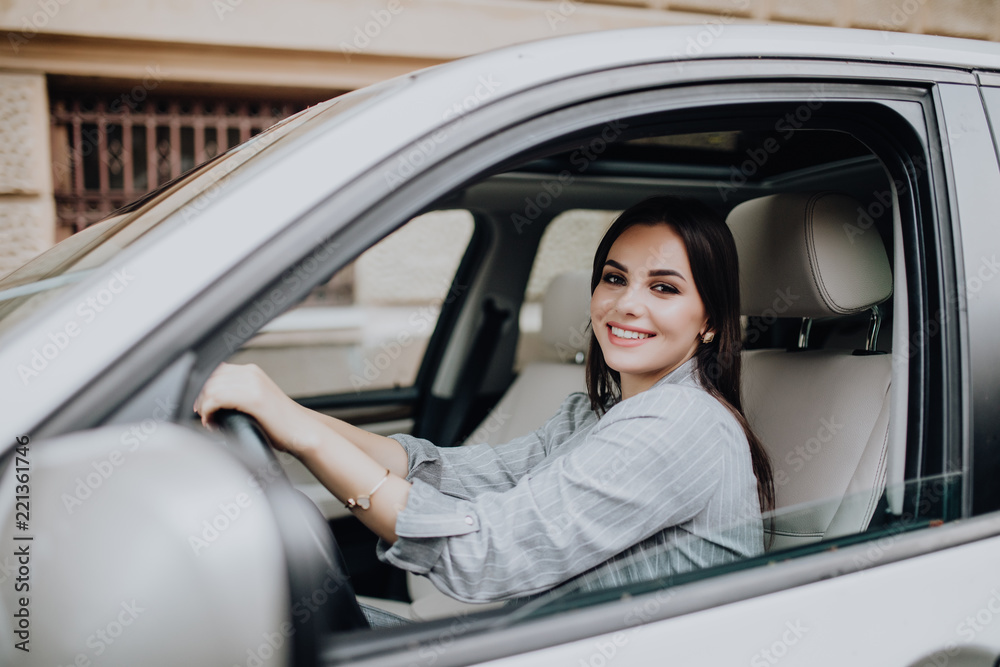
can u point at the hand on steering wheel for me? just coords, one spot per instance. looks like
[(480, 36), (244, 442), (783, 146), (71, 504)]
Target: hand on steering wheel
[(248, 389), (317, 572)]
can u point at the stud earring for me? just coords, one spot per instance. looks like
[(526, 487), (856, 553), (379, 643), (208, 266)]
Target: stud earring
[(708, 337)]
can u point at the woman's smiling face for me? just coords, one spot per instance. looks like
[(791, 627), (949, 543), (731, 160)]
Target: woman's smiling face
[(647, 314)]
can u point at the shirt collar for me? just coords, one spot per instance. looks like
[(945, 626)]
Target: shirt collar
[(686, 374)]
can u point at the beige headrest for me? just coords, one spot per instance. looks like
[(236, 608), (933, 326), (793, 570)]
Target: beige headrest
[(801, 256), (566, 314)]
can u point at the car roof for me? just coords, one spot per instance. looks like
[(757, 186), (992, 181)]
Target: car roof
[(584, 52)]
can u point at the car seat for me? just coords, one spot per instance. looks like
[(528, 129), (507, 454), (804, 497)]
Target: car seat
[(822, 415)]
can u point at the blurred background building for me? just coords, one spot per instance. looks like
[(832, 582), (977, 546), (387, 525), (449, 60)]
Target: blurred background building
[(101, 102)]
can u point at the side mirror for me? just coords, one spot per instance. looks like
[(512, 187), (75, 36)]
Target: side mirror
[(160, 554)]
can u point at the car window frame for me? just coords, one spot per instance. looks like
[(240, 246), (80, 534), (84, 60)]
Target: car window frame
[(827, 563), (971, 113)]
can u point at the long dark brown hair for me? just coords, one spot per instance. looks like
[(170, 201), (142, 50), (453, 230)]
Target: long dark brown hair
[(711, 253)]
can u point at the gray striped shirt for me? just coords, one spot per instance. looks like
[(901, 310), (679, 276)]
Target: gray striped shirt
[(661, 484)]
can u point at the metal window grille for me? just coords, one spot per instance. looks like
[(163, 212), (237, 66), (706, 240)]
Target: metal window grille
[(107, 154)]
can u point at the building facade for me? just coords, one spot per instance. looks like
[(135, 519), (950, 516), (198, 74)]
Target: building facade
[(101, 102)]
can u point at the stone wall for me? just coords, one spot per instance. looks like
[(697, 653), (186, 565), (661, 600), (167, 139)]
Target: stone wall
[(27, 211)]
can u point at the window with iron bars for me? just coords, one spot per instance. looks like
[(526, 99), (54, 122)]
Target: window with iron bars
[(108, 151)]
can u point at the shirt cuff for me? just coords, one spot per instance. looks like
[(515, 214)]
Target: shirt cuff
[(423, 526), (422, 458)]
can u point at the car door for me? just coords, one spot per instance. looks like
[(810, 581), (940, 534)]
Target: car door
[(853, 599)]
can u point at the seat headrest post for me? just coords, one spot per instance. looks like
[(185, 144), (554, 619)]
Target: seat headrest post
[(871, 340), (804, 330)]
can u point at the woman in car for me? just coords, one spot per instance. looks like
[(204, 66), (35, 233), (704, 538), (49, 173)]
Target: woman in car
[(654, 471)]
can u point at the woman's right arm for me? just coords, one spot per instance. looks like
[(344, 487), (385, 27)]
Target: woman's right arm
[(292, 427), (385, 450), (458, 471)]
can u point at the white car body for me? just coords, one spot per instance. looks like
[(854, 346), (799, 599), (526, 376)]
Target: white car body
[(924, 597)]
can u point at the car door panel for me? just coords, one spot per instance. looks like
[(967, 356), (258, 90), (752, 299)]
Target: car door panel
[(921, 619)]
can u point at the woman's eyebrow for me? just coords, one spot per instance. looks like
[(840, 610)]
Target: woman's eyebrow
[(653, 272), (666, 272)]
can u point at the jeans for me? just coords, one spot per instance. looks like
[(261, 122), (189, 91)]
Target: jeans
[(379, 618)]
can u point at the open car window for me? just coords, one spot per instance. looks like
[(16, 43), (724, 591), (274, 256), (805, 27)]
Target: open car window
[(744, 165), (367, 327), (543, 210)]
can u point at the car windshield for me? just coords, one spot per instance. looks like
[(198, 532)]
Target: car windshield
[(28, 288)]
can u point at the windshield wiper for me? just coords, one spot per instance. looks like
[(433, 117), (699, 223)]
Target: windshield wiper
[(43, 285)]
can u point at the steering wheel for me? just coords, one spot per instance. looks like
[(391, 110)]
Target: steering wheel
[(317, 574)]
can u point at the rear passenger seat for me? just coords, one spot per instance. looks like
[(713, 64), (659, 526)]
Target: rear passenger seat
[(543, 384)]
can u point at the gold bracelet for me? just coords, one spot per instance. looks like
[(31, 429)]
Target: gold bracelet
[(364, 502)]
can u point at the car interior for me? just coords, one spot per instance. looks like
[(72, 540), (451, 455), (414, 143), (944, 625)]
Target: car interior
[(812, 214)]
